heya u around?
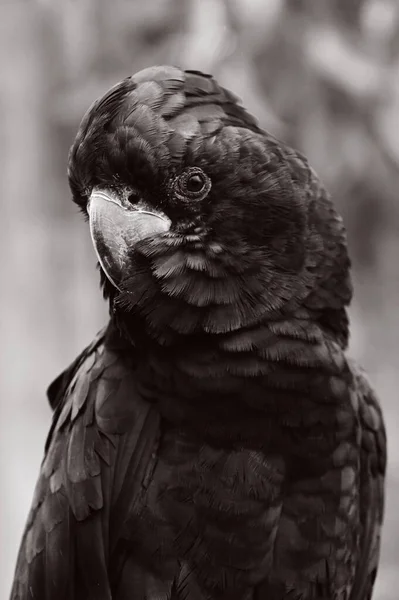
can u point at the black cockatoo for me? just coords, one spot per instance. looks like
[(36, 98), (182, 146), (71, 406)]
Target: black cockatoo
[(214, 441)]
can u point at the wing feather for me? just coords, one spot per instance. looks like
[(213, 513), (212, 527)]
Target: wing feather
[(372, 475), (102, 436)]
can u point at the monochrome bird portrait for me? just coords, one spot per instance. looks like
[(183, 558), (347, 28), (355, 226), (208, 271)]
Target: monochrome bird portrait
[(214, 441)]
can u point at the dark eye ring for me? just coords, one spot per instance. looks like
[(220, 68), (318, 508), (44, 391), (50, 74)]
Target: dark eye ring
[(193, 184)]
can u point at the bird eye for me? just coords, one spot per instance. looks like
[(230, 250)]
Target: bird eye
[(193, 184)]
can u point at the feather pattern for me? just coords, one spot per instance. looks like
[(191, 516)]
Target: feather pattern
[(214, 442)]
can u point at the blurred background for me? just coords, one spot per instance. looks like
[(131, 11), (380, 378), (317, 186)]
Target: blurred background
[(321, 74)]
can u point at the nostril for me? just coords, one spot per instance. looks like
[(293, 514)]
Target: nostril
[(133, 197)]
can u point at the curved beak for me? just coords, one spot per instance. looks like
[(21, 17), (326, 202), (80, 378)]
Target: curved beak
[(115, 230)]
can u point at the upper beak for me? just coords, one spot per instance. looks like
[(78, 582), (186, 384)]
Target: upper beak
[(116, 229)]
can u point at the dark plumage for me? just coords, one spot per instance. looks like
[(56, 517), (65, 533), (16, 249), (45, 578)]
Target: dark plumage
[(214, 442)]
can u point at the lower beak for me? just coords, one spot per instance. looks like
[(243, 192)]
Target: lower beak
[(115, 230)]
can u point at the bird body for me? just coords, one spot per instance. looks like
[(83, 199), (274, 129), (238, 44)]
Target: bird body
[(214, 441)]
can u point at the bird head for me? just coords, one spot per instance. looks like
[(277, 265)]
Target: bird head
[(202, 222)]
